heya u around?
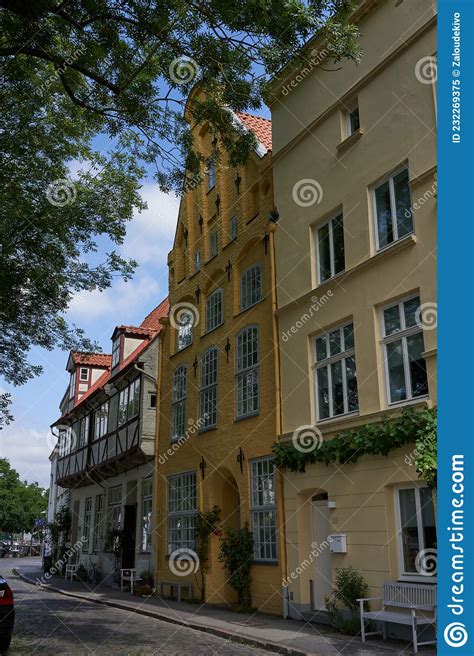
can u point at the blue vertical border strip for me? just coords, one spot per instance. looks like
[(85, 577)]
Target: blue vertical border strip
[(455, 87)]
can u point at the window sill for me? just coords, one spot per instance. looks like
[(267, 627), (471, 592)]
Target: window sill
[(349, 141), (405, 402), (393, 244), (252, 219), (213, 257), (207, 429), (266, 563), (229, 243), (339, 418), (249, 416), (237, 314), (208, 332), (416, 578)]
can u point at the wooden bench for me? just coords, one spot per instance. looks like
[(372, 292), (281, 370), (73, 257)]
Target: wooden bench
[(411, 596), (179, 585)]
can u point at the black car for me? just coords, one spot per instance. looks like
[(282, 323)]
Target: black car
[(7, 614)]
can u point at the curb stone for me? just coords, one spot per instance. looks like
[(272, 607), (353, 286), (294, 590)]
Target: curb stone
[(204, 628)]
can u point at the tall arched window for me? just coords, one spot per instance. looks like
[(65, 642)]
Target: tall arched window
[(247, 388), (214, 310), (251, 286), (178, 427), (208, 389)]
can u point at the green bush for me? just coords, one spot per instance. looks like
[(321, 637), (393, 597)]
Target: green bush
[(236, 553), (349, 587)]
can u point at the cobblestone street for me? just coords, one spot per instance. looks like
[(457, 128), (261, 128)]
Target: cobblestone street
[(50, 623)]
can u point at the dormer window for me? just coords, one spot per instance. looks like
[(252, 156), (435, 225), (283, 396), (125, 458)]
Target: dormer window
[(84, 374), (115, 351), (72, 385)]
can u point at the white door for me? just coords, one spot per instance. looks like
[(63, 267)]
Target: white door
[(322, 585)]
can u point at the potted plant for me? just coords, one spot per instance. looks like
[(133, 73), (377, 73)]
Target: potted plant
[(81, 573), (147, 578)]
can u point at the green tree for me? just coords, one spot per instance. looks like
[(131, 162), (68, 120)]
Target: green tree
[(122, 70), (20, 503)]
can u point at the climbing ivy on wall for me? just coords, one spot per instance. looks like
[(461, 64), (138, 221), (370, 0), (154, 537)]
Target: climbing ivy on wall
[(411, 426)]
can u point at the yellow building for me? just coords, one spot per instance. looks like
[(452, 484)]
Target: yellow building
[(217, 425), (354, 168)]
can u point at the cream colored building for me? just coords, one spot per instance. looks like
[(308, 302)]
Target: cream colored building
[(354, 165)]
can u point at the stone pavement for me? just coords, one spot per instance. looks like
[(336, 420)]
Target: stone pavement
[(255, 630)]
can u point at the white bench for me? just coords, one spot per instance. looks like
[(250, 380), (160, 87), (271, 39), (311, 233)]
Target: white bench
[(178, 585), (126, 575), (411, 596), (71, 572)]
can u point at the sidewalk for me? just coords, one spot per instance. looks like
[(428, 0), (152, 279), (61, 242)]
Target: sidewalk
[(263, 631)]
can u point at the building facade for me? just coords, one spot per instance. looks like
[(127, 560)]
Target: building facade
[(106, 444), (354, 166), (218, 421)]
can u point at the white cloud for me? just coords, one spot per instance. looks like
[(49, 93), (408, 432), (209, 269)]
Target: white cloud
[(150, 233), (27, 450), (149, 238), (121, 303)]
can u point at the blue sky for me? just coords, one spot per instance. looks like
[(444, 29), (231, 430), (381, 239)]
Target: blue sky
[(26, 442)]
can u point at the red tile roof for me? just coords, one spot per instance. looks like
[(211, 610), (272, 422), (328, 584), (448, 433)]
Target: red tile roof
[(152, 320), (149, 328), (93, 359), (261, 127)]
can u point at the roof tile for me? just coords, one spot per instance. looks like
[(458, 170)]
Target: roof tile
[(261, 127)]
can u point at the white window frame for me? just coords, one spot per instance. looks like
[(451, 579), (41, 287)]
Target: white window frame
[(81, 377), (258, 509), (197, 260), (211, 174), (317, 228), (116, 346), (178, 403), (98, 518), (84, 431), (389, 178), (72, 385), (326, 363), (86, 531), (213, 243), (242, 371), (184, 333), (402, 335), (411, 576), (181, 508), (114, 507), (101, 420), (351, 109), (214, 310), (208, 390), (147, 515), (249, 290)]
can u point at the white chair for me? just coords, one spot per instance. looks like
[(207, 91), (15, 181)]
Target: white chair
[(71, 572), (128, 575)]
